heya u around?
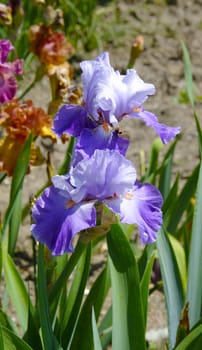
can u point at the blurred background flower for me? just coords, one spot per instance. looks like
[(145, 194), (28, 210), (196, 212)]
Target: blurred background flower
[(19, 120), (8, 83)]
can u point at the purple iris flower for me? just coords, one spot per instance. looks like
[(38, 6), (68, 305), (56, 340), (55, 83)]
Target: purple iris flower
[(8, 83), (108, 98), (68, 206)]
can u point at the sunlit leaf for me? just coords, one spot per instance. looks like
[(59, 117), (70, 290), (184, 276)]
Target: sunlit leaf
[(17, 181), (83, 335), (96, 339), (74, 302), (194, 288), (10, 341), (171, 283), (128, 331), (17, 290), (144, 285), (49, 339), (188, 74)]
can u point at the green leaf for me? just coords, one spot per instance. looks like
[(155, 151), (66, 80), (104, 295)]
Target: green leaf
[(68, 156), (165, 175), (2, 177), (182, 202), (74, 301), (194, 288), (156, 147), (169, 203), (63, 277), (128, 330), (7, 322), (15, 222), (17, 290), (180, 259), (144, 285), (172, 284), (198, 127), (192, 340), (120, 336), (49, 339), (105, 328), (83, 335), (188, 74), (96, 339), (10, 341), (17, 181)]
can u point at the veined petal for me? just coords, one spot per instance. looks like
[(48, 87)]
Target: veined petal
[(165, 132), (138, 90), (108, 92), (98, 138), (89, 67), (57, 219), (141, 206), (70, 119), (105, 174)]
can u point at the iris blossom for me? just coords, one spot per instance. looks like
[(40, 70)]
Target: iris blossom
[(68, 206), (8, 83), (108, 98), (19, 120), (50, 46)]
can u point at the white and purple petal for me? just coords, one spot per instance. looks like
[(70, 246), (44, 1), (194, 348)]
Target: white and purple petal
[(108, 91), (89, 67), (141, 206), (56, 222), (105, 174)]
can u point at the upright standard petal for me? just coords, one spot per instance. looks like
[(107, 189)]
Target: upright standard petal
[(89, 67), (57, 219), (107, 91)]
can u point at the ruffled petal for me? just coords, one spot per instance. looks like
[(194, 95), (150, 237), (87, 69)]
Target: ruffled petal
[(142, 206), (57, 220), (109, 93), (89, 67), (106, 174)]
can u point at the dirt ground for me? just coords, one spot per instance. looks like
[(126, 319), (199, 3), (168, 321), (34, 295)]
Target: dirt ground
[(161, 63)]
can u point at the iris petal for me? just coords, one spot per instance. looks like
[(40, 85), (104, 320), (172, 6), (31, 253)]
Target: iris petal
[(165, 132), (141, 206), (55, 224)]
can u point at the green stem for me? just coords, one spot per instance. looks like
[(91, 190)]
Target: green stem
[(28, 88)]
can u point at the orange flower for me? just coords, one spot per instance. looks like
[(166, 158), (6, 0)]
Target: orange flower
[(50, 46), (19, 120)]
